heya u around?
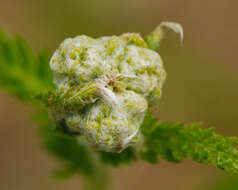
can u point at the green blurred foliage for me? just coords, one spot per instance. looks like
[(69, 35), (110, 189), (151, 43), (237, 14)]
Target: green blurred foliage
[(22, 73), (76, 154), (116, 159)]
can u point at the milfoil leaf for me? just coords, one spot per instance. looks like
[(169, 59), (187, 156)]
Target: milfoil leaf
[(23, 74), (175, 142)]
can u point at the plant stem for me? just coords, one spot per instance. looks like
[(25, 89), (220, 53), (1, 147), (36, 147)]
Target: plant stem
[(98, 182)]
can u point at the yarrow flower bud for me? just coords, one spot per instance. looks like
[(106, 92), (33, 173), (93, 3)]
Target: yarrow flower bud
[(104, 87)]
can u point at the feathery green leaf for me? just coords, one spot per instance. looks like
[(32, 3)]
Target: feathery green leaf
[(176, 141), (22, 73)]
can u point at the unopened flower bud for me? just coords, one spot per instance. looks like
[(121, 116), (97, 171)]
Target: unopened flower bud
[(104, 87)]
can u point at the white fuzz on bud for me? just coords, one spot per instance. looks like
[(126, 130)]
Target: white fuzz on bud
[(104, 86)]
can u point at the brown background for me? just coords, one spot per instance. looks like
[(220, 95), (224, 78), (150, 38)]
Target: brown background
[(201, 86)]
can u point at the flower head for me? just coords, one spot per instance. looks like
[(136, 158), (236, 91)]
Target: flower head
[(104, 87)]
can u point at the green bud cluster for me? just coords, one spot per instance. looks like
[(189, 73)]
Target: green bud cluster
[(104, 87)]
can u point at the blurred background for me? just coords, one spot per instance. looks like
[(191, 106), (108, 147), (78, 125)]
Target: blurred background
[(201, 85)]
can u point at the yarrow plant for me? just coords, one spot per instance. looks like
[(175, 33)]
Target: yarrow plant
[(93, 98)]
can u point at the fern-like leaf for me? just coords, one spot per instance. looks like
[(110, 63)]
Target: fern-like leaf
[(22, 73), (176, 141)]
